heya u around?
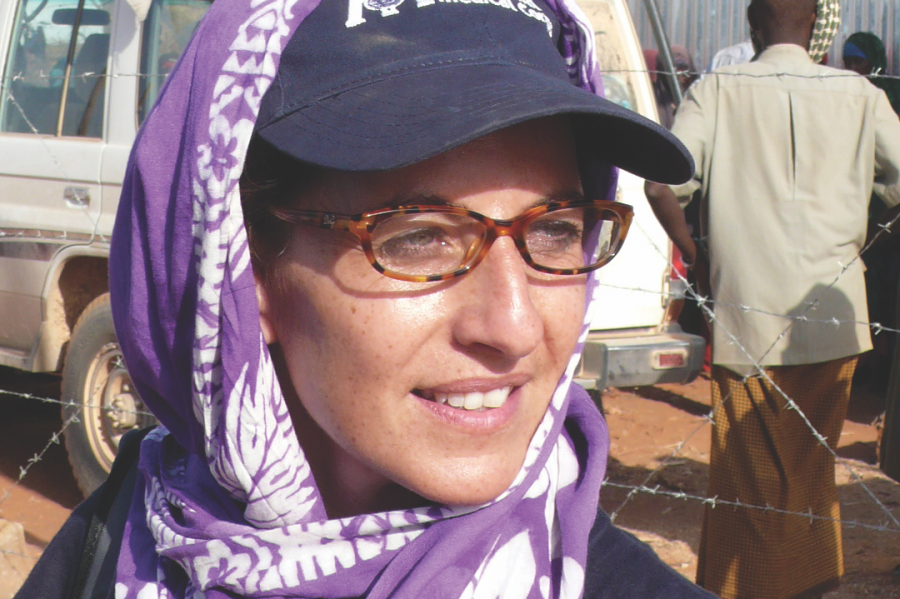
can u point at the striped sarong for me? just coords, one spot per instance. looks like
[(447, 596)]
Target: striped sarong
[(764, 454)]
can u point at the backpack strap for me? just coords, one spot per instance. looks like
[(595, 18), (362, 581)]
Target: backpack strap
[(96, 574)]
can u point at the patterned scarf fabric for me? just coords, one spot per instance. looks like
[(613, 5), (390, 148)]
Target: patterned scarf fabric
[(828, 21), (227, 505)]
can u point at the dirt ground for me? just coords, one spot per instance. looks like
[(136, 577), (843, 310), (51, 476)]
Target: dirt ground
[(663, 431), (651, 428)]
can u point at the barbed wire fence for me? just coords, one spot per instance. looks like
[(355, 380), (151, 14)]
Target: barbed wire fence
[(727, 73), (888, 521), (74, 412), (707, 305)]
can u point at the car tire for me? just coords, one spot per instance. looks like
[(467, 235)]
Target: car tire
[(100, 402)]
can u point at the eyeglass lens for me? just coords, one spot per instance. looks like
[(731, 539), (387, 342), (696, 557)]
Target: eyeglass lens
[(435, 243)]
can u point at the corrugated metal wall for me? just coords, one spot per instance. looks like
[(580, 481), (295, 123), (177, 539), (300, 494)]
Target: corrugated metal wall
[(706, 26)]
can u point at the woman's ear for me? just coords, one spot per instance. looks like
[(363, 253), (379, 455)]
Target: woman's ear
[(266, 323)]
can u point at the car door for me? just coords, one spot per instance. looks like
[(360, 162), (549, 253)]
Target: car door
[(149, 38), (51, 143)]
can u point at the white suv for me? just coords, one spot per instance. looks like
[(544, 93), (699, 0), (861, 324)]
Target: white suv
[(634, 339), (77, 78)]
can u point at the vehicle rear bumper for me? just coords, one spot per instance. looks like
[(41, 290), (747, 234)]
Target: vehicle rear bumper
[(671, 357)]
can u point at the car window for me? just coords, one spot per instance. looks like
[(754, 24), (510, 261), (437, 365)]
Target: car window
[(167, 29), (55, 79)]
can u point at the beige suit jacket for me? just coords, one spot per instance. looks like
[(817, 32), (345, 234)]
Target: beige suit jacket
[(787, 153)]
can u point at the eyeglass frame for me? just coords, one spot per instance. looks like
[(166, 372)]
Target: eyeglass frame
[(363, 224)]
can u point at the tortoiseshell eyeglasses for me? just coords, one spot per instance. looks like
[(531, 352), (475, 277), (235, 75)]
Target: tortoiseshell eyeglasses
[(438, 243)]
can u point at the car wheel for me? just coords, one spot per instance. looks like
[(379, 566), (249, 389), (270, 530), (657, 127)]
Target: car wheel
[(101, 404)]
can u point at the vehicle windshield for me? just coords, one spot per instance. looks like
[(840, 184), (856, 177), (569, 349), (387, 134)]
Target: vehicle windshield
[(55, 79), (168, 27)]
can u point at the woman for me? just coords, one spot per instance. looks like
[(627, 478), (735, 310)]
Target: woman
[(364, 384), (864, 54)]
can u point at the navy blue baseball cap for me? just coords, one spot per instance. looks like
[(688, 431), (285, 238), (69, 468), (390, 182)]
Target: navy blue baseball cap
[(380, 84)]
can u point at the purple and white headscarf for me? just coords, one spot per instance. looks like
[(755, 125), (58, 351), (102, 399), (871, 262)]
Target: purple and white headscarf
[(227, 505)]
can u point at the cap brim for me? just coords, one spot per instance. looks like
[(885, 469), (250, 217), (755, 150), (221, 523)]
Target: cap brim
[(407, 118)]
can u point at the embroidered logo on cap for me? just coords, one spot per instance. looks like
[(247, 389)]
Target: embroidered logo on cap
[(387, 8)]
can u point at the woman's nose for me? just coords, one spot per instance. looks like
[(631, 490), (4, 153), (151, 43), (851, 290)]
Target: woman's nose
[(497, 309)]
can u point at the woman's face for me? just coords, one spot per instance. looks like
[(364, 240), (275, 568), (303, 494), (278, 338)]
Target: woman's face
[(369, 358), (858, 65)]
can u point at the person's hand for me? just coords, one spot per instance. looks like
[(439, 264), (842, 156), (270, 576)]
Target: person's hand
[(701, 276)]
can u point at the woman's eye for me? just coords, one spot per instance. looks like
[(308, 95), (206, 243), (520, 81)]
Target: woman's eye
[(553, 235), (414, 243)]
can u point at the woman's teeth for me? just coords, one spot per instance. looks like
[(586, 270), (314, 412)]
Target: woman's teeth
[(475, 400)]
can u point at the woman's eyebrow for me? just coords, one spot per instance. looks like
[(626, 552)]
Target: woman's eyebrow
[(569, 195)]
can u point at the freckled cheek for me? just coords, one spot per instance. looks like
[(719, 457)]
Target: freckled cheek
[(412, 314), (370, 346), (562, 310)]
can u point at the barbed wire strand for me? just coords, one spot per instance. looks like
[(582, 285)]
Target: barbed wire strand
[(23, 470), (73, 404), (37, 134), (876, 327), (714, 502), (835, 73)]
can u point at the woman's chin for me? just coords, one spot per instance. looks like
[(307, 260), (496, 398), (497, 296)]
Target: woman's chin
[(469, 489)]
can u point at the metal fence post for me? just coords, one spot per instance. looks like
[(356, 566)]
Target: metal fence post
[(665, 52)]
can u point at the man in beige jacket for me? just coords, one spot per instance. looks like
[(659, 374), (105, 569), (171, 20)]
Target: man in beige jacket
[(785, 151)]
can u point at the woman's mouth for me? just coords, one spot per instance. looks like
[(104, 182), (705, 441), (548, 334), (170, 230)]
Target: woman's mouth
[(472, 400), (475, 406)]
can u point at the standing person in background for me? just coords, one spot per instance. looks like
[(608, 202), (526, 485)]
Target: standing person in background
[(785, 201), (684, 65), (665, 102), (737, 54), (687, 74), (864, 54)]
